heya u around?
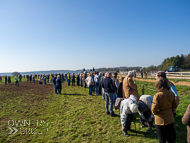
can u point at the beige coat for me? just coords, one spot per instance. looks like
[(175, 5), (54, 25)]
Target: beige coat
[(129, 83), (162, 107), (186, 121)]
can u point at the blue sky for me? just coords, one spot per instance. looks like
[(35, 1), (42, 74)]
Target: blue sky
[(74, 34)]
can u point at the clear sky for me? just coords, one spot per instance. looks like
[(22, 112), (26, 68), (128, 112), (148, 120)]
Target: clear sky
[(74, 34)]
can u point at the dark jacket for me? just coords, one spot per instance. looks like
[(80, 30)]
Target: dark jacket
[(54, 80), (119, 90), (58, 83), (186, 121), (107, 84), (114, 86)]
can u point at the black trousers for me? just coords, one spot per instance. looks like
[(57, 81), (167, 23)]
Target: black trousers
[(128, 121), (16, 83), (166, 133)]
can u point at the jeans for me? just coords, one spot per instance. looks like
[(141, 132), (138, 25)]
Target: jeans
[(16, 83), (166, 133), (109, 100), (59, 90), (114, 98), (78, 82), (5, 82), (55, 89), (33, 81), (68, 82), (97, 88), (81, 83), (90, 89), (44, 82)]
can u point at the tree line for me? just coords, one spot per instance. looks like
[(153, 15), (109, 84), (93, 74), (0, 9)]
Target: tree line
[(182, 62)]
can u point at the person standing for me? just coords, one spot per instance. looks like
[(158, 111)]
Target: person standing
[(9, 80), (58, 84), (33, 79), (90, 83), (97, 81), (129, 86), (107, 84), (47, 78), (17, 81), (20, 78), (0, 79), (115, 86), (78, 79), (5, 79), (68, 78), (164, 108), (73, 79), (54, 83), (162, 74), (120, 86), (30, 77), (44, 79), (141, 73)]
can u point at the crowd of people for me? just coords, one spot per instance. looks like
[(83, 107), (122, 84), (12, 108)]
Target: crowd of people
[(122, 94)]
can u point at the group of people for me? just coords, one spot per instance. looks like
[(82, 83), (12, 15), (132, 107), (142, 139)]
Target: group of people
[(123, 94)]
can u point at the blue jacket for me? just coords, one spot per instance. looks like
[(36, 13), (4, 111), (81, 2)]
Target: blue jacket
[(58, 83), (54, 80), (107, 84)]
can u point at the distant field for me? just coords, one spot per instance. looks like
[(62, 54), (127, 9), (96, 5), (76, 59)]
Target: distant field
[(72, 117)]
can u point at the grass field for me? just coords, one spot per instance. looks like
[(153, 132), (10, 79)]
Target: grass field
[(73, 116)]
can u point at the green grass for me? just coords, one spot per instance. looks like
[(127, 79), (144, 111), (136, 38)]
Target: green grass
[(75, 116)]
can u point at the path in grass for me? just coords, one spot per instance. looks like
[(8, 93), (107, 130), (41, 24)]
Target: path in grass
[(73, 116), (176, 83)]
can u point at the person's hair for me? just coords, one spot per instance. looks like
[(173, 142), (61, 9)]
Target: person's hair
[(161, 74), (161, 84), (130, 73), (121, 79)]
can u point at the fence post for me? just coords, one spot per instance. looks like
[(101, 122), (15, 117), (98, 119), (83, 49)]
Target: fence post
[(142, 89)]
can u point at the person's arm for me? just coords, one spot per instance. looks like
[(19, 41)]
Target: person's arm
[(155, 105), (174, 90), (174, 105), (111, 86), (116, 83), (186, 117)]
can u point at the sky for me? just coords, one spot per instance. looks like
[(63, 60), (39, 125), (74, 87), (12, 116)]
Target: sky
[(40, 35)]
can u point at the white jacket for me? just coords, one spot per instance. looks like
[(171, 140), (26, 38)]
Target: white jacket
[(88, 80), (125, 108)]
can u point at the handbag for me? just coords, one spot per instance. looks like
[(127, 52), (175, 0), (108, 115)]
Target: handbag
[(118, 102)]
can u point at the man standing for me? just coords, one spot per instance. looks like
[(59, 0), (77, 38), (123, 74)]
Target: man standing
[(78, 79), (17, 81), (97, 81), (107, 84), (58, 84), (44, 79), (5, 79), (68, 78), (115, 86), (129, 86), (54, 83), (73, 79)]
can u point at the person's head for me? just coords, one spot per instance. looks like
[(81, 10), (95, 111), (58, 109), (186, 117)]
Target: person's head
[(121, 79), (109, 75), (160, 74), (131, 73), (55, 75), (115, 74), (97, 73), (161, 83), (133, 106), (142, 106)]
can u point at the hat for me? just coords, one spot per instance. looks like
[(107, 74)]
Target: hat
[(115, 73), (133, 108), (142, 106)]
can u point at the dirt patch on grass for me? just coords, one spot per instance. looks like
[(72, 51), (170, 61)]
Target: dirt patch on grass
[(178, 83)]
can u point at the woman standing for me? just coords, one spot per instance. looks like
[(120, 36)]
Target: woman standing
[(163, 107)]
